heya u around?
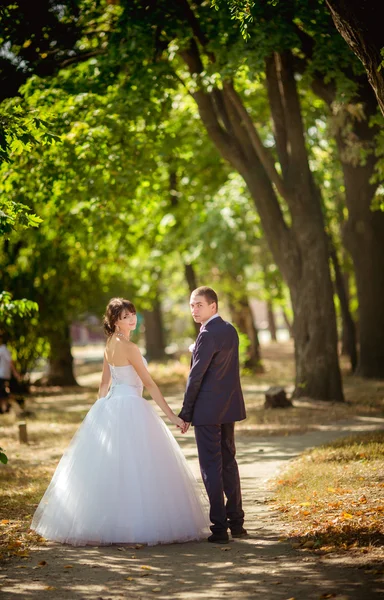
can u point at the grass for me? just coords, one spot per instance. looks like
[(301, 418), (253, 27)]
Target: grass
[(332, 498)]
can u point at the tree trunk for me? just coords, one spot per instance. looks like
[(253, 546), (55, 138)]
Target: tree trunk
[(288, 323), (190, 276), (271, 321), (60, 358), (154, 333), (345, 332), (242, 317), (360, 24), (363, 233), (364, 239), (348, 327), (363, 236)]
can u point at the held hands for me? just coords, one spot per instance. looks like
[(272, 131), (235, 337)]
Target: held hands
[(180, 423)]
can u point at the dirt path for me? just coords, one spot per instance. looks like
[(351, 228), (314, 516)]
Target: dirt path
[(261, 566)]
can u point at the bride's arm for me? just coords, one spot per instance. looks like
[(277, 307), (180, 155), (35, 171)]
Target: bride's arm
[(105, 379), (135, 358)]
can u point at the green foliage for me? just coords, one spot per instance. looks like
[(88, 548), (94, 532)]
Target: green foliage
[(21, 132), (3, 457), (240, 11), (135, 190), (244, 344), (11, 309)]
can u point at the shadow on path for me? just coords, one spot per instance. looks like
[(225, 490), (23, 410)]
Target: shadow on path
[(261, 566)]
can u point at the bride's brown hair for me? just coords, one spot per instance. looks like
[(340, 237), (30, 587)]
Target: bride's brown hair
[(113, 311)]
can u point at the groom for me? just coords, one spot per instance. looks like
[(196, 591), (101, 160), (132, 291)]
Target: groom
[(213, 401)]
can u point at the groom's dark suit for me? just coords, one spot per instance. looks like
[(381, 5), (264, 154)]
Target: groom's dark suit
[(213, 401)]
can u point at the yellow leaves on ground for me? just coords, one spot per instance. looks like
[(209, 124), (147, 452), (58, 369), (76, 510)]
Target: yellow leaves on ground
[(334, 501), (16, 538)]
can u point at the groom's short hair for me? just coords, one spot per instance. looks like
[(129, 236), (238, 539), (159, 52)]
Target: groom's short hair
[(208, 293)]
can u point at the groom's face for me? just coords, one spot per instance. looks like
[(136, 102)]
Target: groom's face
[(200, 309)]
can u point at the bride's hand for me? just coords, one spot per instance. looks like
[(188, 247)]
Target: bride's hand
[(177, 421)]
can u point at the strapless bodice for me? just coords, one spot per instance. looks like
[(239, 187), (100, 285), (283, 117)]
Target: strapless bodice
[(126, 375)]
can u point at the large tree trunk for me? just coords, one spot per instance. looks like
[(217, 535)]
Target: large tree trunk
[(363, 236), (300, 251), (154, 333), (364, 230), (365, 240), (242, 317), (361, 25), (60, 358)]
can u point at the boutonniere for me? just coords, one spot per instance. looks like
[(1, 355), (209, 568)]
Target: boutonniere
[(192, 347)]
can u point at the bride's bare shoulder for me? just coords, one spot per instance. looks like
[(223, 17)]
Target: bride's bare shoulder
[(132, 348)]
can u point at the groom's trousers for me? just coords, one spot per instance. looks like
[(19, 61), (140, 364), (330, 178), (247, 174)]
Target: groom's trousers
[(220, 473)]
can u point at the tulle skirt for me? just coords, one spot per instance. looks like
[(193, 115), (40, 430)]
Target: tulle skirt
[(122, 479)]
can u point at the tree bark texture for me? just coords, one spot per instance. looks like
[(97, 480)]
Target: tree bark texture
[(360, 23)]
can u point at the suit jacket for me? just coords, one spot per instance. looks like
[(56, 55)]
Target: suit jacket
[(213, 394)]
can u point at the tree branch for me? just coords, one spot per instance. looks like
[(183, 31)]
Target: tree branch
[(278, 113), (297, 151), (262, 153), (195, 26), (81, 57)]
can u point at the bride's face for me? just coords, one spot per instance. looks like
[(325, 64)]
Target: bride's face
[(127, 321)]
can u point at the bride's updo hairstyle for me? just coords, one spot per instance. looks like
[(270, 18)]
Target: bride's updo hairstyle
[(113, 311)]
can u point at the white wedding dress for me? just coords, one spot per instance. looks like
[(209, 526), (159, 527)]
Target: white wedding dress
[(123, 477)]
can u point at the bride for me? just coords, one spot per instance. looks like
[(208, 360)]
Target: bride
[(123, 477)]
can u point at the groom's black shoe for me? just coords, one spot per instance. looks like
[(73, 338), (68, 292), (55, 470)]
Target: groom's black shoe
[(239, 533), (219, 538)]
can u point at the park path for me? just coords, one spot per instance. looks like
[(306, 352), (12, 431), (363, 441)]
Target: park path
[(261, 566)]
